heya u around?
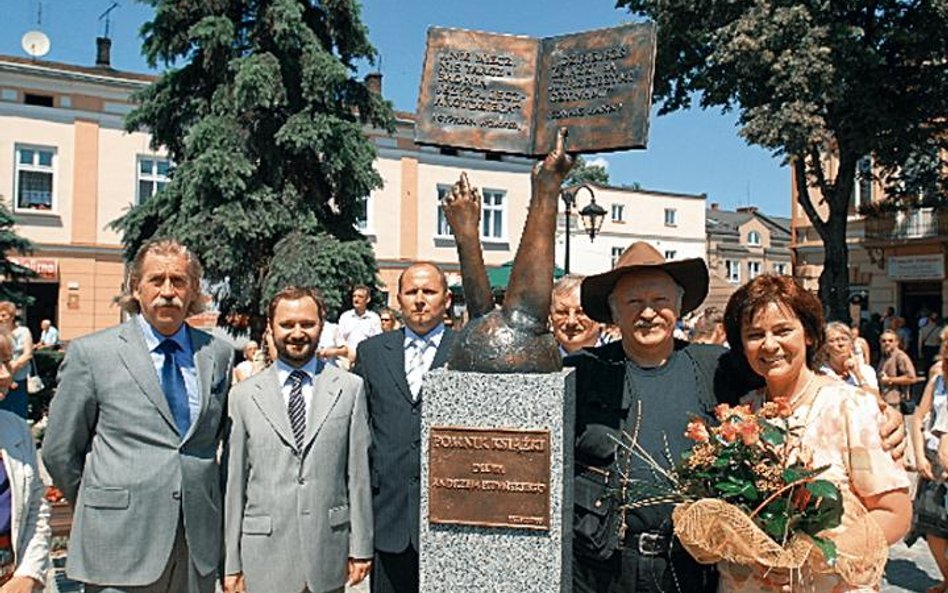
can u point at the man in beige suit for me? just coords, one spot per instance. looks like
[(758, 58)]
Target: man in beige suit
[(298, 506)]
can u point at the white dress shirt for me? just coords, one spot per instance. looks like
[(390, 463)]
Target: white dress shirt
[(311, 369)]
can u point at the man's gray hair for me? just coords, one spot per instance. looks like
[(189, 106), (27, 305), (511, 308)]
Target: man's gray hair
[(161, 247), (567, 285)]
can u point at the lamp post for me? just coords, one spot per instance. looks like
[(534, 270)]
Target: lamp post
[(592, 216)]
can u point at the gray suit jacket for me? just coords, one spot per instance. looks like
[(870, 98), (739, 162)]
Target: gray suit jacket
[(113, 448), (293, 518)]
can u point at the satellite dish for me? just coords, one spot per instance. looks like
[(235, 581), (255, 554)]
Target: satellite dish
[(35, 43)]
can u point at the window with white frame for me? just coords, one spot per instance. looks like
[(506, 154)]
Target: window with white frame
[(862, 186), (753, 269), (732, 269), (753, 238), (671, 217), (618, 212), (153, 174), (493, 214), (364, 215), (444, 229), (615, 255), (780, 268), (670, 254), (35, 176)]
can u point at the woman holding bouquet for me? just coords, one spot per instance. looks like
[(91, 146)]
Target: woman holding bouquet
[(778, 328)]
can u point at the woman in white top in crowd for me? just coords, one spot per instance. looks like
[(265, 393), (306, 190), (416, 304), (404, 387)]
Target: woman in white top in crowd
[(16, 400), (930, 516), (245, 369), (843, 363)]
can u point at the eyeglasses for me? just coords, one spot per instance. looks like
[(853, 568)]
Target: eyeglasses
[(386, 319)]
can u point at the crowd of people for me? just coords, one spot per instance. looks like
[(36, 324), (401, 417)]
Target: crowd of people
[(300, 466)]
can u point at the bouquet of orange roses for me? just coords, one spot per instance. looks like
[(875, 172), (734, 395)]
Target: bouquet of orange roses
[(750, 496)]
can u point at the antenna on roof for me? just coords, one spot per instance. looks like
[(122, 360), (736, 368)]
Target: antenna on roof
[(107, 15)]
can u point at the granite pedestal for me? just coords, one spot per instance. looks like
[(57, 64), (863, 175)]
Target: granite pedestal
[(457, 556)]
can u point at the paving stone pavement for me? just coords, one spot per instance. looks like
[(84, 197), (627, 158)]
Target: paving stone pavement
[(910, 569)]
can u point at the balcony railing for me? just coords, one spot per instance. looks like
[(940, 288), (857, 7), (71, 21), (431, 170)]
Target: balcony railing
[(923, 223)]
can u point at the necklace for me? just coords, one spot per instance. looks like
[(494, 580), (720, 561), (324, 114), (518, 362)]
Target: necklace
[(795, 400)]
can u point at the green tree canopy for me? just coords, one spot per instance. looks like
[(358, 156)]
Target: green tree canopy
[(321, 261), (855, 78), (582, 172), (12, 274), (263, 115)]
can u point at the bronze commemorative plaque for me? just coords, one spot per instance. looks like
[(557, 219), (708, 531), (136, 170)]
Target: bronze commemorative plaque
[(509, 93), (489, 477)]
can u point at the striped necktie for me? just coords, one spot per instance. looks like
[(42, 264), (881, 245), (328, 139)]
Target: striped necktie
[(296, 407), (416, 365)]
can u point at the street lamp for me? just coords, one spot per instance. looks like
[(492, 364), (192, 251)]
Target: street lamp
[(592, 216)]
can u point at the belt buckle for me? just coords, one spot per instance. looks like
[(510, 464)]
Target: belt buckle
[(650, 544)]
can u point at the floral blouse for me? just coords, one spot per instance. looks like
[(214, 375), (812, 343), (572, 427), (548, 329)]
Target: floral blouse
[(841, 431)]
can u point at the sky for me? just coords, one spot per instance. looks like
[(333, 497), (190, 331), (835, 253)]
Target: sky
[(692, 152)]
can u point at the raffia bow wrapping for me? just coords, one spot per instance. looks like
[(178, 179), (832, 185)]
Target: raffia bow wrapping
[(712, 531)]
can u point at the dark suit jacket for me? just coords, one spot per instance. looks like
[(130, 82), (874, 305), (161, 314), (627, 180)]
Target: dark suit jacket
[(395, 454)]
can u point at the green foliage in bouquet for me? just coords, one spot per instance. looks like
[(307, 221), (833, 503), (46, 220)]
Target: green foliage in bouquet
[(747, 460)]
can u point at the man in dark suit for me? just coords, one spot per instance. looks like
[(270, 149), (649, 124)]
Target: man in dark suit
[(392, 365), (133, 437)]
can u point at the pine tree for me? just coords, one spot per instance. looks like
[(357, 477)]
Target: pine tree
[(11, 288), (264, 118)]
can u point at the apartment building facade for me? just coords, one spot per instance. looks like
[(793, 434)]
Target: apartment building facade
[(673, 223), (742, 244), (896, 258)]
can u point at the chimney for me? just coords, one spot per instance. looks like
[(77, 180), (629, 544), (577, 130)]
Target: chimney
[(103, 47), (373, 81), (715, 206)]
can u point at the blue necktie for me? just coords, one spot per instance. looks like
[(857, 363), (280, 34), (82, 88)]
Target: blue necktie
[(172, 383)]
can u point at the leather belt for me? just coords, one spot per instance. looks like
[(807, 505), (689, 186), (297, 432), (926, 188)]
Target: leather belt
[(649, 543)]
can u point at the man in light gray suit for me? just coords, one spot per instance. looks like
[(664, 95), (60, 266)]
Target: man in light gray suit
[(133, 437), (298, 507)]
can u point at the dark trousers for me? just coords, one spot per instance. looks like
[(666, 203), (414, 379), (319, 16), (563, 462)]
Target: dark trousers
[(395, 573), (628, 572)]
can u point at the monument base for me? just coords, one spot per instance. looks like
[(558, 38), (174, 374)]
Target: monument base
[(496, 482)]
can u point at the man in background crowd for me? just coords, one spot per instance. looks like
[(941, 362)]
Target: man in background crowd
[(895, 370), (49, 336), (572, 329), (709, 327), (358, 323)]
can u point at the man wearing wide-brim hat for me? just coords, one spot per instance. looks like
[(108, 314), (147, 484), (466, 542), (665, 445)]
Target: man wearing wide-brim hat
[(647, 385)]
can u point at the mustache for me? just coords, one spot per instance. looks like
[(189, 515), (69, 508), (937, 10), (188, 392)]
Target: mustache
[(643, 324), (166, 302)]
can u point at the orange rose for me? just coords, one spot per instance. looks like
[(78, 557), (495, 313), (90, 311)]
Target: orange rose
[(750, 432), (697, 431), (729, 431)]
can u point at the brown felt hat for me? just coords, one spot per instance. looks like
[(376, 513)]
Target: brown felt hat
[(690, 274)]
